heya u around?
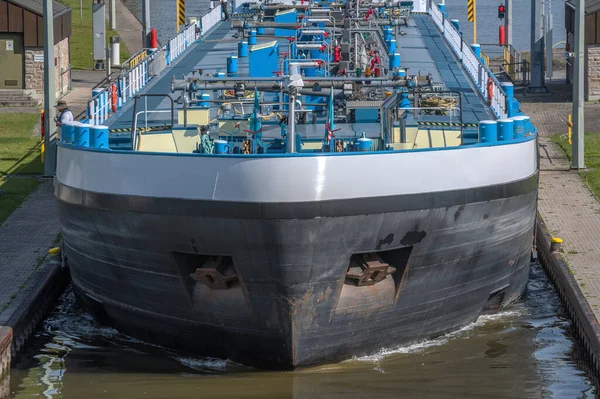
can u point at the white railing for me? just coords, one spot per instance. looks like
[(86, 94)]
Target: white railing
[(211, 19), (436, 15), (181, 42), (132, 80), (100, 107), (157, 62), (480, 74), (453, 37)]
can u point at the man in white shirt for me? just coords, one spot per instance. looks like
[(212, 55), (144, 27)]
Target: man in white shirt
[(64, 113), (64, 116)]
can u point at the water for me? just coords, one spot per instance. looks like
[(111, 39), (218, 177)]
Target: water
[(526, 351), (163, 18)]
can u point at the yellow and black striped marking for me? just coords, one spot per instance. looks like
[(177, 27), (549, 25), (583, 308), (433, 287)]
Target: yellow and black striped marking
[(451, 124), (471, 10), (180, 13), (135, 61), (141, 129), (242, 15)]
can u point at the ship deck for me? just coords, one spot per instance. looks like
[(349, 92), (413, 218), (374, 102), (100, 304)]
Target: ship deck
[(422, 50)]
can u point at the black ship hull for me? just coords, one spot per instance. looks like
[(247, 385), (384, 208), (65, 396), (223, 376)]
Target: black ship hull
[(287, 301)]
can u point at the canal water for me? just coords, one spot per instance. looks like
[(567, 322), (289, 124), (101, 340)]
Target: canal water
[(163, 18), (526, 351)]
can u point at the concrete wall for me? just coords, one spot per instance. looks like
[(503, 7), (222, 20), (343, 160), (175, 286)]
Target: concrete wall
[(592, 68), (34, 71)]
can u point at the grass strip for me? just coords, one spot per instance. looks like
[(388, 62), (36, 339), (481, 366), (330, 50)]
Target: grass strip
[(591, 176), (14, 192), (82, 37), (19, 144)]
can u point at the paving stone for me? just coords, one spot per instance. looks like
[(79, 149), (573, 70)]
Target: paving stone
[(568, 207), (25, 238)]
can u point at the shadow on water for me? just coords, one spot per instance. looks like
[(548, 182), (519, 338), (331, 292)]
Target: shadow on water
[(526, 351)]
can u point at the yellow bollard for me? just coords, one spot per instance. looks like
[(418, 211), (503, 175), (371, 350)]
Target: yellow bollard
[(570, 128), (556, 244), (43, 129)]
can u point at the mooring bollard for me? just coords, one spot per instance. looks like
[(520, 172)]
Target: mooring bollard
[(55, 256), (556, 244)]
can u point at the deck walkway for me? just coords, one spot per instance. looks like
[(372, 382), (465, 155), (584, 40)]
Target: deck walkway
[(422, 50), (567, 206), (440, 56)]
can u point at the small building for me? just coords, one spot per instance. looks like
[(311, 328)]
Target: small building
[(22, 46), (592, 45)]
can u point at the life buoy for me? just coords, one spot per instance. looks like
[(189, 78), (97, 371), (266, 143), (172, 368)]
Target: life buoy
[(114, 97), (490, 90)]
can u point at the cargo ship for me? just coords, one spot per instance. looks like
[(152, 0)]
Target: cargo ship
[(301, 184)]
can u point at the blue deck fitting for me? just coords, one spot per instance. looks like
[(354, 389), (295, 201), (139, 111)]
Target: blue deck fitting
[(388, 33), (252, 37), (488, 131), (221, 147), (264, 59), (394, 61), (232, 66), (519, 126), (505, 129), (363, 144), (243, 49), (509, 89), (99, 137), (527, 126), (391, 46), (82, 135), (285, 16), (67, 132)]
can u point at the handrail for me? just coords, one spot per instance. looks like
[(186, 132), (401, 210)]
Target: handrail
[(141, 68), (479, 73), (135, 59), (134, 132)]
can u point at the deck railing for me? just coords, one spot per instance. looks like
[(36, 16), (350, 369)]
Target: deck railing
[(211, 19), (139, 70), (487, 84)]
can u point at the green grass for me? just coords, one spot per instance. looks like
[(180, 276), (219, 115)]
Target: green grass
[(591, 176), (81, 38), (19, 155), (19, 150), (15, 192)]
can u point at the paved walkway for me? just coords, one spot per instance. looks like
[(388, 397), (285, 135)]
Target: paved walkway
[(129, 28), (25, 238), (82, 82), (569, 209)]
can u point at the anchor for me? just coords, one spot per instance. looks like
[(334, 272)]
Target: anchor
[(368, 269)]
